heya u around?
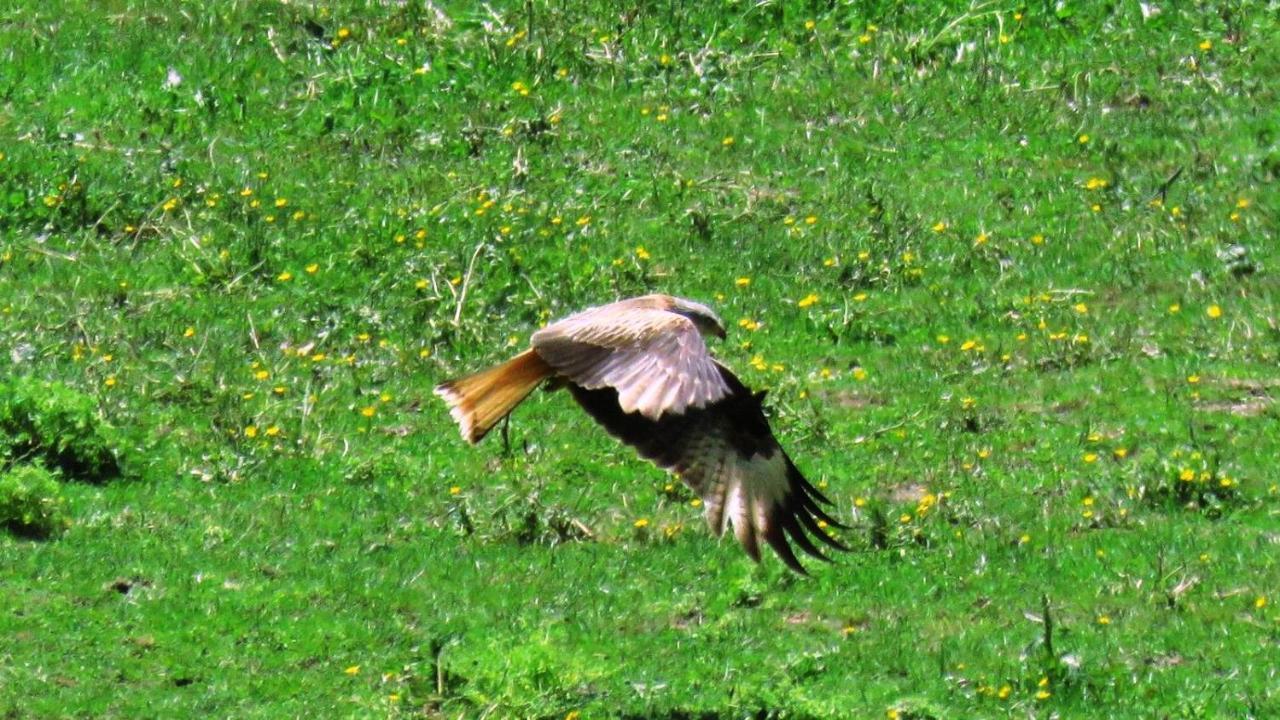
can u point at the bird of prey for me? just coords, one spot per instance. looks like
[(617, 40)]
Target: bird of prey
[(641, 368)]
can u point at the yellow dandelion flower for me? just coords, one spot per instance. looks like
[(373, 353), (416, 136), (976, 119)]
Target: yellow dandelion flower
[(1260, 602), (807, 300), (742, 282), (251, 431), (1104, 619), (189, 332), (1175, 308), (285, 276), (353, 670), (641, 523), (110, 381), (1083, 139), (1214, 312), (939, 226), (727, 141), (641, 253), (273, 431), (368, 411), (1206, 45)]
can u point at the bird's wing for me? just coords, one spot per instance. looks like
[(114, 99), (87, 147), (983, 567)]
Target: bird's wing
[(655, 359), (728, 455)]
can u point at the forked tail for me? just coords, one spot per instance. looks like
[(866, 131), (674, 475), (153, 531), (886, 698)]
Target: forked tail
[(477, 402)]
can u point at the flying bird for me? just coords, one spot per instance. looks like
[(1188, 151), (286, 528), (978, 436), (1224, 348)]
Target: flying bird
[(642, 369)]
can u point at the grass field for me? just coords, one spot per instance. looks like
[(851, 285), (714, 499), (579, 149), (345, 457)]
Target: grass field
[(1009, 272)]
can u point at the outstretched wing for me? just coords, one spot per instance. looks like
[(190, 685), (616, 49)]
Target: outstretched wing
[(728, 455), (656, 359)]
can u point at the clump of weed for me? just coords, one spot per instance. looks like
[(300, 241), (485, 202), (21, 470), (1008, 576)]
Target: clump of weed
[(31, 503), (57, 425)]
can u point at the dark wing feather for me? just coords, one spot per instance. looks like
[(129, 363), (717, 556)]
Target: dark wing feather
[(727, 454)]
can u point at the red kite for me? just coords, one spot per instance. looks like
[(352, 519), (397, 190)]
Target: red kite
[(640, 367)]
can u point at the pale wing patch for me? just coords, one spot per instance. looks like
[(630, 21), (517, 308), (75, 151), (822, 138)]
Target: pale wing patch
[(657, 360), (727, 454)]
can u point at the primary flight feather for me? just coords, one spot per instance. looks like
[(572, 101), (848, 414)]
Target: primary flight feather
[(641, 368)]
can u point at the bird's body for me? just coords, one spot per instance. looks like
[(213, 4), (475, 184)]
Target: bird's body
[(641, 368)]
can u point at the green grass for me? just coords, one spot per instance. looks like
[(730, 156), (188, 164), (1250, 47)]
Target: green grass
[(1013, 283)]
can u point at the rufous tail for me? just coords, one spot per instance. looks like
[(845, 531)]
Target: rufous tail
[(477, 402)]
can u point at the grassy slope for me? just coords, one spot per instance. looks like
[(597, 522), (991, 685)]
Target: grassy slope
[(329, 568)]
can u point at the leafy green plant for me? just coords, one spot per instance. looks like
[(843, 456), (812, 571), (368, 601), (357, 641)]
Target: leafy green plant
[(31, 503), (56, 424)]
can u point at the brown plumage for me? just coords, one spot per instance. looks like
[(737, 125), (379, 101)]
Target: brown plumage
[(641, 368)]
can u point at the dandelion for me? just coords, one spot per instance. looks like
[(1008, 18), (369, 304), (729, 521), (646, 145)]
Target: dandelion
[(864, 38), (261, 375), (1104, 619), (251, 431), (1260, 602), (1214, 312), (939, 227), (1090, 458), (285, 276), (1037, 239), (1095, 183), (520, 88), (1193, 379), (810, 25), (1004, 692), (641, 253), (353, 670), (246, 192), (455, 490), (1175, 308), (1083, 139), (859, 374), (273, 431), (943, 339), (981, 239), (1206, 45), (807, 300), (968, 345), (641, 523), (313, 268), (281, 202), (1023, 539), (860, 297), (368, 411), (727, 142), (749, 324), (811, 220), (189, 332), (110, 381), (1081, 308), (1187, 475), (696, 502)]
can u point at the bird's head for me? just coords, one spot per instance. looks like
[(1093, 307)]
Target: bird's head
[(703, 317)]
